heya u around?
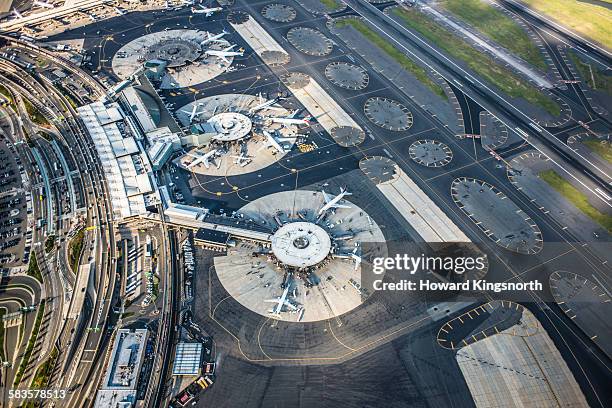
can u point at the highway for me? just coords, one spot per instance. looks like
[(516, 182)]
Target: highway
[(99, 216)]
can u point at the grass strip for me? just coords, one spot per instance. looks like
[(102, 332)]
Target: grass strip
[(600, 147), (596, 79), (481, 63), (576, 197), (36, 116), (500, 28), (33, 269), (75, 248), (406, 63), (588, 18), (43, 374), (331, 4)]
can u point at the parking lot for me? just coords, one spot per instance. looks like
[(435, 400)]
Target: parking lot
[(13, 209)]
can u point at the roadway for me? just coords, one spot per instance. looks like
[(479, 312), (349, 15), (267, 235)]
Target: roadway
[(99, 216)]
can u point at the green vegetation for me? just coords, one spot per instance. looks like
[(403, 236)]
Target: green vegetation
[(497, 26), (331, 4), (601, 147), (75, 247), (576, 197), (67, 95), (25, 360), (406, 63), (584, 17), (481, 63), (595, 78), (42, 375), (33, 269), (36, 116), (6, 94), (49, 243), (2, 355)]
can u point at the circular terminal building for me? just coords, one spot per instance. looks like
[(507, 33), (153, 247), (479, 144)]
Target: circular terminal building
[(310, 270), (182, 58), (241, 134)]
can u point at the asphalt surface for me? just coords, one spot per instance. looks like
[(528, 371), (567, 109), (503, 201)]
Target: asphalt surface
[(385, 371)]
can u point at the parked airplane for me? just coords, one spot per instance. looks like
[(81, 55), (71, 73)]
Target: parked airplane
[(269, 104), (92, 17), (208, 11), (202, 158), (242, 160), (355, 255), (223, 54), (194, 112), (213, 38), (292, 120), (43, 4), (280, 302), (274, 142), (332, 203)]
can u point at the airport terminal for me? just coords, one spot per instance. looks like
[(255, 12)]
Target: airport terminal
[(197, 190)]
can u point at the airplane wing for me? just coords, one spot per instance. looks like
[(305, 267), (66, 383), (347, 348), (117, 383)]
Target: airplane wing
[(342, 206), (209, 14), (326, 197), (224, 59), (290, 305)]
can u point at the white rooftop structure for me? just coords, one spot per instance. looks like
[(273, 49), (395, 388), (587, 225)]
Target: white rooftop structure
[(125, 168), (139, 109), (301, 244), (230, 126), (187, 359), (119, 386)]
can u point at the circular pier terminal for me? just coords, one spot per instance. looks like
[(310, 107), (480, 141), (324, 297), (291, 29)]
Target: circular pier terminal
[(183, 52), (230, 126), (301, 244), (297, 277)]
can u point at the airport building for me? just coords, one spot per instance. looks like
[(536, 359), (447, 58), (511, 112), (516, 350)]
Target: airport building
[(187, 359), (118, 389)]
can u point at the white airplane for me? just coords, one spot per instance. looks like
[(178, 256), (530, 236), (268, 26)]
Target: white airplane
[(17, 14), (270, 104), (292, 120), (43, 4), (92, 17), (119, 11), (334, 202), (242, 160), (193, 112), (273, 142), (208, 11), (201, 158), (223, 54), (280, 302), (354, 255), (213, 38)]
